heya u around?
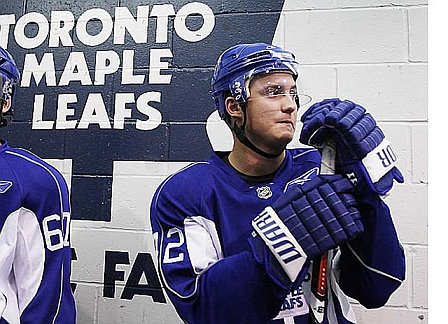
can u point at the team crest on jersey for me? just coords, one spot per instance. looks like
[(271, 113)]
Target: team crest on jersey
[(300, 180), (264, 192), (4, 186)]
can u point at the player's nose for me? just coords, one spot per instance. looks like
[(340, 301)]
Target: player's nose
[(289, 103)]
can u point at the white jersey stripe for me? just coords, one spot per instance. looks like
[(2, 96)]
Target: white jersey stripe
[(21, 229), (204, 248)]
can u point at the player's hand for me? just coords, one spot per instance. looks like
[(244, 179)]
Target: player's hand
[(362, 150), (321, 213), (355, 129), (309, 220)]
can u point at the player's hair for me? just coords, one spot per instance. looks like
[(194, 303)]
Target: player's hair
[(9, 77)]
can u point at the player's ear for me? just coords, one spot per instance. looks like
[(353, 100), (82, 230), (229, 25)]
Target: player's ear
[(6, 105), (233, 108)]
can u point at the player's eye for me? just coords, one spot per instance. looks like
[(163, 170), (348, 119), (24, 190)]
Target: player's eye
[(293, 93), (274, 91)]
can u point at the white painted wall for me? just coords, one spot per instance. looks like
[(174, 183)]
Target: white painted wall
[(376, 54)]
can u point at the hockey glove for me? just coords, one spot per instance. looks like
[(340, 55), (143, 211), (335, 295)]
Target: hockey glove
[(306, 221), (362, 150)]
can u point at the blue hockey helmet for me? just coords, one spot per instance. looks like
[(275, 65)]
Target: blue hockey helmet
[(9, 77), (240, 63)]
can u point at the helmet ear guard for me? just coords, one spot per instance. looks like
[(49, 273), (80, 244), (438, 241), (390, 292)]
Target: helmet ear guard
[(5, 117), (9, 77)]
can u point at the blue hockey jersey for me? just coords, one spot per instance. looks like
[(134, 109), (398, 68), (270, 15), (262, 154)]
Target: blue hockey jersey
[(35, 252), (201, 219)]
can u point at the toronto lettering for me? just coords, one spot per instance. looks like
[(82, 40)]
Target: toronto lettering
[(59, 30)]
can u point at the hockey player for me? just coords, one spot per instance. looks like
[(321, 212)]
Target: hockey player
[(238, 235), (35, 252)]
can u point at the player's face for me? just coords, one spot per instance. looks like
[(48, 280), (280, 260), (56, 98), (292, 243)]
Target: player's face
[(272, 111)]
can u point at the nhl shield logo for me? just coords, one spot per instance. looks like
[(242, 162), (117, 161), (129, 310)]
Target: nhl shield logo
[(264, 192)]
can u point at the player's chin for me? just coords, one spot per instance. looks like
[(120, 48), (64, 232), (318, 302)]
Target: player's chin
[(284, 139), (286, 134)]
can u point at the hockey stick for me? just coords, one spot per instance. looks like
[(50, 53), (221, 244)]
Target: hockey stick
[(320, 269), (2, 304)]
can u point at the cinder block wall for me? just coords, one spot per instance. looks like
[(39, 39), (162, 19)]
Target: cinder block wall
[(375, 53)]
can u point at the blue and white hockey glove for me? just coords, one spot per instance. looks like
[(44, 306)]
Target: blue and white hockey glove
[(306, 221), (362, 150)]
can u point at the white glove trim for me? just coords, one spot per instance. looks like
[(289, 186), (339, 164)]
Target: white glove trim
[(280, 241), (380, 160)]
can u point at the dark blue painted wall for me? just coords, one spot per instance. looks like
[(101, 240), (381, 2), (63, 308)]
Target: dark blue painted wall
[(185, 103)]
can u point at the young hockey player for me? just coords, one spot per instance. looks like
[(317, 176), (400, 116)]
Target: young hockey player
[(238, 235), (35, 250)]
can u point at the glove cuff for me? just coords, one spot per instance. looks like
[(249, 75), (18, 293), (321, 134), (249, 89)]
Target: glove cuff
[(280, 242), (357, 173), (380, 161)]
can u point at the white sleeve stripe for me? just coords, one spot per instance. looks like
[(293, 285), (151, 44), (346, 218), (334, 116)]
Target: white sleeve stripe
[(35, 256), (203, 245), (372, 269), (22, 251)]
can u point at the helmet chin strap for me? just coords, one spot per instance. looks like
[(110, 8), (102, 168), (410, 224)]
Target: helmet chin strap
[(241, 135)]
